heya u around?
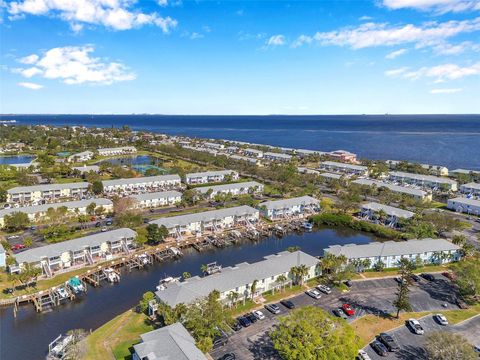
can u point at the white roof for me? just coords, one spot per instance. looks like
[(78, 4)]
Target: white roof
[(392, 248), (471, 185), (392, 187), (227, 187), (141, 180), (421, 177), (287, 203), (209, 173), (465, 201), (390, 210), (157, 195), (343, 165), (48, 187)]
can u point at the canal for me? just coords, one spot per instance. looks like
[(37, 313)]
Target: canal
[(27, 336)]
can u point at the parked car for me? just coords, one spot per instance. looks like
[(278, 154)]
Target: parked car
[(313, 293), (97, 224), (449, 275), (388, 341), (258, 314), (324, 288), (104, 229), (17, 247), (220, 341), (441, 319), (362, 355), (428, 277), (229, 356), (244, 321), (415, 326), (415, 278), (348, 283), (251, 317), (339, 313), (108, 223), (401, 280), (288, 304), (13, 237), (379, 348), (273, 308), (237, 326), (347, 309)]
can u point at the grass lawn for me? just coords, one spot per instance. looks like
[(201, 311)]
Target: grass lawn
[(394, 272), (117, 336), (368, 326)]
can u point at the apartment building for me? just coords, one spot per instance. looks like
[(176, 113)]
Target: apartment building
[(415, 193), (236, 189), (141, 184), (157, 199), (47, 193), (210, 176), (286, 208), (122, 150), (434, 183)]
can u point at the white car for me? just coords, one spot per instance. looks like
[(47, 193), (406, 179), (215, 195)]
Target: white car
[(314, 293), (441, 319), (415, 326), (258, 314), (362, 355), (324, 288)]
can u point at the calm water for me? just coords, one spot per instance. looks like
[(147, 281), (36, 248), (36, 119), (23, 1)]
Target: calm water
[(21, 159), (27, 336), (450, 140)]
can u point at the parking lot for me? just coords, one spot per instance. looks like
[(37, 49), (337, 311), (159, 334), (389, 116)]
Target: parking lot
[(412, 346), (366, 297)]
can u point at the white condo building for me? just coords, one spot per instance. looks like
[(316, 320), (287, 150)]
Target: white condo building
[(48, 192), (344, 168), (470, 189), (123, 150), (141, 184), (415, 193), (210, 176), (235, 189), (285, 208), (464, 205), (279, 157), (430, 251), (372, 211), (157, 199), (434, 183)]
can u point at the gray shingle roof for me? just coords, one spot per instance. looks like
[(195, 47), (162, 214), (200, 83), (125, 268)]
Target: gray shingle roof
[(156, 195), (209, 173), (420, 177), (286, 203), (390, 210), (231, 277), (181, 220), (277, 155), (392, 248), (140, 180), (226, 187), (36, 254), (392, 187), (346, 166), (171, 342), (471, 185), (44, 207), (48, 187), (465, 201)]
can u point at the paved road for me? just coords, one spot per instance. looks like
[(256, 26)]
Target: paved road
[(366, 297)]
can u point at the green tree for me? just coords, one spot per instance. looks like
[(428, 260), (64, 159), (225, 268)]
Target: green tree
[(146, 298), (402, 301), (3, 195), (310, 333), (253, 288), (467, 278), (186, 275), (459, 240), (97, 187), (91, 208), (441, 345), (156, 234), (28, 241), (16, 221), (142, 237)]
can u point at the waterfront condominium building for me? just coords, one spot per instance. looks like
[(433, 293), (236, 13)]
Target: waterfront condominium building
[(208, 221), (464, 205), (470, 189), (286, 208), (415, 193), (235, 189), (172, 342), (437, 170), (141, 184), (430, 251), (210, 176), (122, 150), (253, 153), (46, 193), (81, 156), (239, 279), (83, 251), (278, 157), (385, 214), (157, 199), (73, 208), (434, 183), (251, 160), (344, 168)]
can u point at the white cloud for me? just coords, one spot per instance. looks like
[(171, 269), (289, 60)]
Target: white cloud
[(302, 39), (395, 54), (445, 48), (439, 6), (365, 18), (445, 91), (196, 35), (75, 65), (32, 59), (376, 34), (162, 3), (440, 73), (29, 85), (114, 14), (276, 40)]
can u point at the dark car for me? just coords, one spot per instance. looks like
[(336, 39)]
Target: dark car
[(108, 223), (348, 283), (288, 304), (229, 356), (8, 291), (97, 224), (237, 326), (244, 321), (388, 341), (251, 317), (273, 308), (428, 277), (379, 348), (220, 341), (415, 278), (339, 312)]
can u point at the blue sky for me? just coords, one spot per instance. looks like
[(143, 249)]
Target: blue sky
[(240, 57)]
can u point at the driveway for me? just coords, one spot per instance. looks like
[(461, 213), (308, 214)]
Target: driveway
[(365, 296)]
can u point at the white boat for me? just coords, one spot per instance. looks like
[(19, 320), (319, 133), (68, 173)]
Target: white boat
[(143, 259), (62, 293), (176, 251), (76, 285), (56, 349), (307, 226), (112, 275), (163, 283)]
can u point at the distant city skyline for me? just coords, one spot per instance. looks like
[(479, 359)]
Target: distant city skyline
[(240, 57)]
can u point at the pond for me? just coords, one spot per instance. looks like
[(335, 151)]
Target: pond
[(27, 336), (16, 159)]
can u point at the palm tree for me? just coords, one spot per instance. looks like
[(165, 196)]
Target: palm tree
[(186, 275), (253, 288), (204, 269), (302, 272), (281, 280), (232, 297)]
